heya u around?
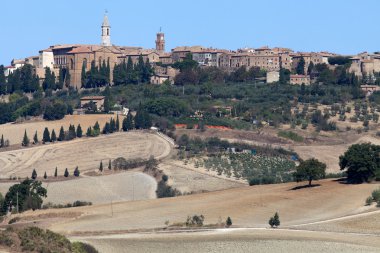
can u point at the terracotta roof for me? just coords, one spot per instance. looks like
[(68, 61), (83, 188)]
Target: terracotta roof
[(80, 50)]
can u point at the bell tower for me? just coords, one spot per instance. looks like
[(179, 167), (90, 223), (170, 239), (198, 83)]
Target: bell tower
[(106, 31), (160, 42)]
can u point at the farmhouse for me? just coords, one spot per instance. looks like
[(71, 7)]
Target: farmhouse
[(300, 79), (97, 100)]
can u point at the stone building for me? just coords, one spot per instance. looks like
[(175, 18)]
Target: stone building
[(300, 79)]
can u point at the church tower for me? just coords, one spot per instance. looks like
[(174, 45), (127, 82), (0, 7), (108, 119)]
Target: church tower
[(106, 32), (160, 42)]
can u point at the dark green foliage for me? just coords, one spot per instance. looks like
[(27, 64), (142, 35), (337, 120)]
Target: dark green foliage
[(25, 140), (142, 119), (34, 174), (80, 247), (71, 134), (121, 163), (56, 172), (274, 221), (30, 194), (311, 169), (166, 191), (361, 162), (53, 137), (97, 76), (284, 76), (167, 107), (55, 111), (45, 175), (76, 172), (46, 135), (79, 131), (66, 174), (339, 60), (228, 222), (109, 165), (128, 123), (61, 136), (101, 166), (49, 81), (35, 138), (117, 124), (127, 73), (195, 221), (300, 70)]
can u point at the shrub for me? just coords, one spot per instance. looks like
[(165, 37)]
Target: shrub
[(291, 135), (376, 195), (228, 222), (195, 221), (369, 201), (274, 221)]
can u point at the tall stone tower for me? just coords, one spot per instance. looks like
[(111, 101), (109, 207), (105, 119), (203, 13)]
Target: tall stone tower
[(160, 42), (106, 32)]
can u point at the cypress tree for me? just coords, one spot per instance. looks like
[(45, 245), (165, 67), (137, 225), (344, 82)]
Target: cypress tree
[(107, 128), (72, 133), (101, 166), (25, 140), (56, 172), (229, 222), (2, 141), (301, 67), (53, 136), (34, 174), (79, 131), (76, 172), (112, 125), (45, 175), (128, 123), (66, 174), (61, 136), (88, 133), (109, 165), (35, 138), (117, 124), (46, 135)]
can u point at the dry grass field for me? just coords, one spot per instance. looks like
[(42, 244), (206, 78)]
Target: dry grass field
[(86, 153), (239, 240), (118, 187), (14, 132), (247, 206)]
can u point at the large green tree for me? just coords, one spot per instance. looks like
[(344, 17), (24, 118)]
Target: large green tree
[(311, 169), (300, 70), (27, 194), (361, 163)]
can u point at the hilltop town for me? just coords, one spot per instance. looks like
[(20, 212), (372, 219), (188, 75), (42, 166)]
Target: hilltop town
[(69, 60), (107, 148)]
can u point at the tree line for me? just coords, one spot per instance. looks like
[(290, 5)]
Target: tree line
[(129, 73)]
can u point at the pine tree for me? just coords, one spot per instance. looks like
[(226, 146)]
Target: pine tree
[(76, 172), (53, 136), (79, 131), (45, 175), (35, 138), (2, 142), (61, 136), (46, 135), (34, 174), (109, 165), (101, 166), (56, 172), (66, 174), (25, 140), (117, 124)]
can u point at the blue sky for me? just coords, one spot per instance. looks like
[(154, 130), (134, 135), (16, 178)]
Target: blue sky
[(342, 26)]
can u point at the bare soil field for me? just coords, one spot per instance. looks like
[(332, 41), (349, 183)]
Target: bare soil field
[(86, 153), (118, 187), (14, 132), (235, 240)]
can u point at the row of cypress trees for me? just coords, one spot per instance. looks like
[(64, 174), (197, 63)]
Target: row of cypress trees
[(76, 173)]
